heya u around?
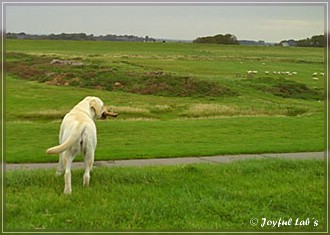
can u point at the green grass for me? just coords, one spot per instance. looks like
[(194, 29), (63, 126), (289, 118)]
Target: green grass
[(167, 109), (167, 106), (174, 50), (174, 138), (168, 127), (184, 197)]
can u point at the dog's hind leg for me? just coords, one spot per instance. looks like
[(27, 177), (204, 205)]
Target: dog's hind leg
[(60, 166), (89, 161), (67, 162)]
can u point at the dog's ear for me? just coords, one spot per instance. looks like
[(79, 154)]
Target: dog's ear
[(96, 107)]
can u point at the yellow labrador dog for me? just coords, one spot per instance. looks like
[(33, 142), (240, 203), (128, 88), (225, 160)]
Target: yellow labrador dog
[(78, 135)]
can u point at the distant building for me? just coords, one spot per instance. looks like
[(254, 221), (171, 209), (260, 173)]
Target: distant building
[(254, 43), (289, 43)]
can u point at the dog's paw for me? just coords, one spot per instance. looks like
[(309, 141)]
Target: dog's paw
[(86, 180), (67, 191), (59, 172)]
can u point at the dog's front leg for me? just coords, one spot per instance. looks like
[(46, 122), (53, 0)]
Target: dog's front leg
[(67, 161)]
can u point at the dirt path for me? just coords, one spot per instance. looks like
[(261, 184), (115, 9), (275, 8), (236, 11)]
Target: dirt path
[(171, 161)]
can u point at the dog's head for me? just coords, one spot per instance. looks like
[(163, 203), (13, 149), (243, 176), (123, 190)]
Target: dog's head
[(97, 106)]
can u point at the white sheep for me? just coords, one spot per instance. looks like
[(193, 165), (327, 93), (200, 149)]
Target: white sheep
[(249, 74), (314, 74), (322, 74), (315, 78)]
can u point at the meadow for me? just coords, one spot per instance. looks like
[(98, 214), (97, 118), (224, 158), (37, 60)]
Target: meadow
[(198, 197), (173, 100)]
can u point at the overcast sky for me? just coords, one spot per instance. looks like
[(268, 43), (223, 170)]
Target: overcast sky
[(267, 22)]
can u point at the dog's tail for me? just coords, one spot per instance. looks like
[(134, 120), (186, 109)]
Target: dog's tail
[(66, 144)]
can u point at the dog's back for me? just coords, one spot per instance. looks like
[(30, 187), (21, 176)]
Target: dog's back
[(73, 125)]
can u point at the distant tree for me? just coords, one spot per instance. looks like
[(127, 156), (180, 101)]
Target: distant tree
[(217, 39), (314, 41), (318, 40), (79, 37), (11, 36)]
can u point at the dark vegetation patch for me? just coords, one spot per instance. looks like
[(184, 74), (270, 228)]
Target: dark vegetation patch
[(123, 76), (178, 86), (285, 88)]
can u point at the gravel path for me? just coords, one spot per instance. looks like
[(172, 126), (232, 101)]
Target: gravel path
[(171, 161)]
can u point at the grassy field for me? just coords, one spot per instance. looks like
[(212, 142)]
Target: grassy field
[(184, 197), (174, 99)]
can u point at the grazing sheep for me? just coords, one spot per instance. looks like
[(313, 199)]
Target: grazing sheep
[(294, 73), (314, 74), (267, 72), (322, 74), (315, 78), (249, 74)]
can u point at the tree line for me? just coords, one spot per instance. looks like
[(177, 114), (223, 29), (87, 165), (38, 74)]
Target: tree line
[(218, 39), (314, 41), (79, 37)]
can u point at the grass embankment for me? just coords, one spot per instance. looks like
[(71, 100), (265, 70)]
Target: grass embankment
[(184, 197)]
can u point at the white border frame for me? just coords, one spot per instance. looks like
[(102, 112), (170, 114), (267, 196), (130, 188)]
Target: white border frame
[(169, 3)]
